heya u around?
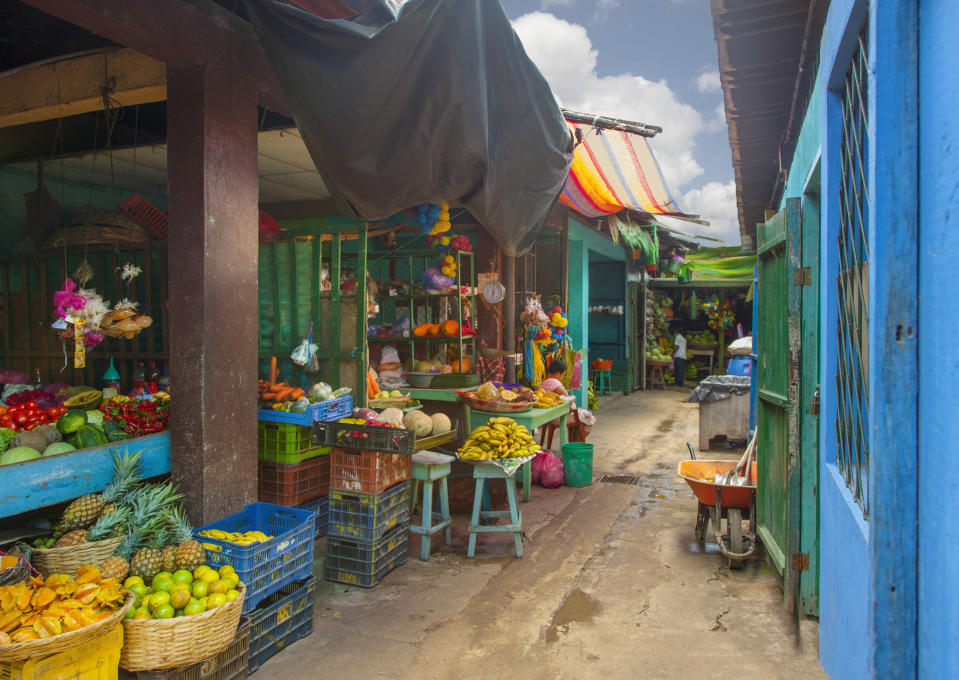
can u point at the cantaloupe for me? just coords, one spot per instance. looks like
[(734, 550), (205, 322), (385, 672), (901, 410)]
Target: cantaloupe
[(58, 447), (391, 415), (18, 454), (441, 423), (419, 422)]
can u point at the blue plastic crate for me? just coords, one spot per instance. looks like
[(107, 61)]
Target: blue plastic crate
[(321, 510), (264, 567), (331, 409), (365, 563), (282, 619), (367, 516)]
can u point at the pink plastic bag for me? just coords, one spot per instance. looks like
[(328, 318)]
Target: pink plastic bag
[(547, 469)]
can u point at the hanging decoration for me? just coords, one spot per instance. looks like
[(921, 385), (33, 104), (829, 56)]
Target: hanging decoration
[(124, 321), (79, 312), (720, 314), (545, 339)]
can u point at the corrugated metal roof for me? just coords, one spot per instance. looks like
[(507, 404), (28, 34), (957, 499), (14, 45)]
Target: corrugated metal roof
[(767, 56)]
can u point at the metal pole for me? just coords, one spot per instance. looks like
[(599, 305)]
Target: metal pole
[(509, 282)]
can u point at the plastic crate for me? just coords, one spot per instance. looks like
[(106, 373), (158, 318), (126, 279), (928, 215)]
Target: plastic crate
[(366, 516), (363, 563), (97, 659), (364, 438), (284, 443), (331, 409), (230, 664), (264, 567), (321, 511), (282, 619), (368, 471), (294, 483)]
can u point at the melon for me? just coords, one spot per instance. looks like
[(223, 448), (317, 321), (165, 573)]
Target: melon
[(58, 447), (423, 366), (441, 423), (419, 422), (436, 365), (18, 454), (391, 415)]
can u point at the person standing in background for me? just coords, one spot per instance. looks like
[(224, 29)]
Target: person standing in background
[(679, 357)]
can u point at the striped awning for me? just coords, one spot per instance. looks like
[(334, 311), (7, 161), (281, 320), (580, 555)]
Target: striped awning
[(614, 170)]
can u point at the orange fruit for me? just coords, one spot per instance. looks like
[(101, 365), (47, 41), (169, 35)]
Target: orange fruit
[(218, 586), (215, 600), (180, 598), (199, 589)]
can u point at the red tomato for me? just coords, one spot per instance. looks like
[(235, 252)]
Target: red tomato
[(43, 418), (3, 410), (7, 421), (21, 419), (32, 406)]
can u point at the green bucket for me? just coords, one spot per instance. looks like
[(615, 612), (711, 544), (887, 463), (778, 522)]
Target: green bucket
[(578, 463)]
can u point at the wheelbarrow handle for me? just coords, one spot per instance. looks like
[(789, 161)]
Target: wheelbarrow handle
[(692, 453)]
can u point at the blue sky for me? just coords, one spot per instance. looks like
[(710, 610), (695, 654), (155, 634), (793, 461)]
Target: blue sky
[(652, 61)]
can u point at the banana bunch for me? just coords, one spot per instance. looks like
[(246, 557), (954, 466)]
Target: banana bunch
[(547, 399), (500, 437), (244, 538)]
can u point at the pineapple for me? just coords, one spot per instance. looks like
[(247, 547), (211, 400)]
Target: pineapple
[(85, 510), (114, 524), (151, 505), (75, 537), (189, 553), (169, 558), (148, 561)]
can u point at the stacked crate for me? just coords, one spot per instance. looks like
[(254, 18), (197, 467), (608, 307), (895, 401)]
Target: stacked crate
[(369, 502)]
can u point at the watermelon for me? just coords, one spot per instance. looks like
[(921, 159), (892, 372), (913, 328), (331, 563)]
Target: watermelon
[(111, 426), (58, 447), (71, 421), (95, 418), (18, 454), (90, 435), (117, 436)]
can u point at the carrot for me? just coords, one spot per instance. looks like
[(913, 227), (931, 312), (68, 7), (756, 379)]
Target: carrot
[(298, 393), (273, 371), (283, 395), (371, 387), (276, 387), (268, 396)]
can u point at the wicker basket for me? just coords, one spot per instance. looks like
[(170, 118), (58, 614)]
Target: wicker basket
[(20, 651), (69, 558), (153, 644), (495, 406), (703, 345), (659, 363)]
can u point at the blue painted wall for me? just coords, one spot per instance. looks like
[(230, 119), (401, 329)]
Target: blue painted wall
[(938, 330)]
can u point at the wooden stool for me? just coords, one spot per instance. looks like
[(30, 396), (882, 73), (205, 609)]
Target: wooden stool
[(574, 433), (602, 380), (429, 467), (481, 473), (656, 381)]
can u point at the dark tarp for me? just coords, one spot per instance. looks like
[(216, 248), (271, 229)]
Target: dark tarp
[(718, 387), (436, 101)]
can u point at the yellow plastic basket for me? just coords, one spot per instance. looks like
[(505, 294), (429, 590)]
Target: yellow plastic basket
[(97, 659)]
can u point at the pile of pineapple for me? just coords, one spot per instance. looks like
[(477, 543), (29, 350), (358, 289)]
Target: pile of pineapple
[(157, 534)]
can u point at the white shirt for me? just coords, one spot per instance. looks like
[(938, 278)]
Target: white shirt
[(680, 343)]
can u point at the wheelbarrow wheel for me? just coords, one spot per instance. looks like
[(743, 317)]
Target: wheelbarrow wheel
[(702, 522), (734, 518)]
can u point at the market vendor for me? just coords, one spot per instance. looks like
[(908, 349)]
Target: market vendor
[(679, 356), (553, 382)]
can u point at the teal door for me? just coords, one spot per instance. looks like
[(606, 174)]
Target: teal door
[(779, 250)]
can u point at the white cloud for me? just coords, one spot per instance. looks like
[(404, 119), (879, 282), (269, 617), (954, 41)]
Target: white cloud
[(544, 4), (717, 121), (716, 202), (565, 55), (708, 81)]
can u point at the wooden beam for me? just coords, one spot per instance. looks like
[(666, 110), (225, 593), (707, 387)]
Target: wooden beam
[(71, 86)]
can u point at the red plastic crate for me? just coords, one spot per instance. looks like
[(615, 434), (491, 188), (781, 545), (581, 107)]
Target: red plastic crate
[(368, 471), (146, 215), (291, 484)]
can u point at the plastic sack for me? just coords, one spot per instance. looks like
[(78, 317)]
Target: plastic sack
[(741, 347), (547, 469), (321, 392), (303, 354)]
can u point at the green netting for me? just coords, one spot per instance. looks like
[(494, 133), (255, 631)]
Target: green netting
[(721, 263)]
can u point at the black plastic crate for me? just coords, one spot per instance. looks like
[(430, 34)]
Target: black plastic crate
[(367, 516), (364, 438), (280, 620), (363, 563)]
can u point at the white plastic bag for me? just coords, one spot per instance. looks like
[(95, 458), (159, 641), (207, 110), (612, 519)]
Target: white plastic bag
[(302, 355)]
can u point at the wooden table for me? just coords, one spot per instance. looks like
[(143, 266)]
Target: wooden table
[(530, 419), (711, 353), (446, 401)]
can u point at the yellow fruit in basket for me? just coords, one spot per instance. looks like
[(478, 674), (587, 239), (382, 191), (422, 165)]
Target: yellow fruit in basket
[(158, 599), (232, 595), (218, 586), (226, 570), (182, 576), (199, 571), (199, 589), (164, 611), (133, 580), (215, 600), (193, 607), (182, 586), (209, 577), (180, 598), (178, 613), (143, 613), (163, 585), (231, 582), (131, 613), (162, 575)]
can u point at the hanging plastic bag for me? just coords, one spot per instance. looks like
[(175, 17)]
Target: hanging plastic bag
[(547, 468), (301, 355)]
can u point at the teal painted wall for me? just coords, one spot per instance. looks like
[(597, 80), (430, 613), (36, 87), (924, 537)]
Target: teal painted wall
[(14, 183)]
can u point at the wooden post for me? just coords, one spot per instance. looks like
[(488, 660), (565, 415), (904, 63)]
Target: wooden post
[(509, 282), (213, 188)]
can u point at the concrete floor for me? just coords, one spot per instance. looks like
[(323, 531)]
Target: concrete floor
[(613, 585)]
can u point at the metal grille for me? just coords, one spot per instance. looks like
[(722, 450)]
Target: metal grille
[(629, 480), (852, 376)]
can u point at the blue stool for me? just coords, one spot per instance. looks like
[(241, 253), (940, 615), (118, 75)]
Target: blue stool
[(602, 380), (482, 473), (429, 467)]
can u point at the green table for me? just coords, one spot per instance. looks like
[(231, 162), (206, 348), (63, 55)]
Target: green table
[(430, 394), (530, 419)]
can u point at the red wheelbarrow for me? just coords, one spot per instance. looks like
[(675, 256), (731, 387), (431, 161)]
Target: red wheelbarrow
[(718, 502)]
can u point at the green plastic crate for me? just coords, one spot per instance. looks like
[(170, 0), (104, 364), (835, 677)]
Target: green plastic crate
[(285, 443)]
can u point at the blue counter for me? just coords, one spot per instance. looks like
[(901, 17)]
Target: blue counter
[(55, 479)]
